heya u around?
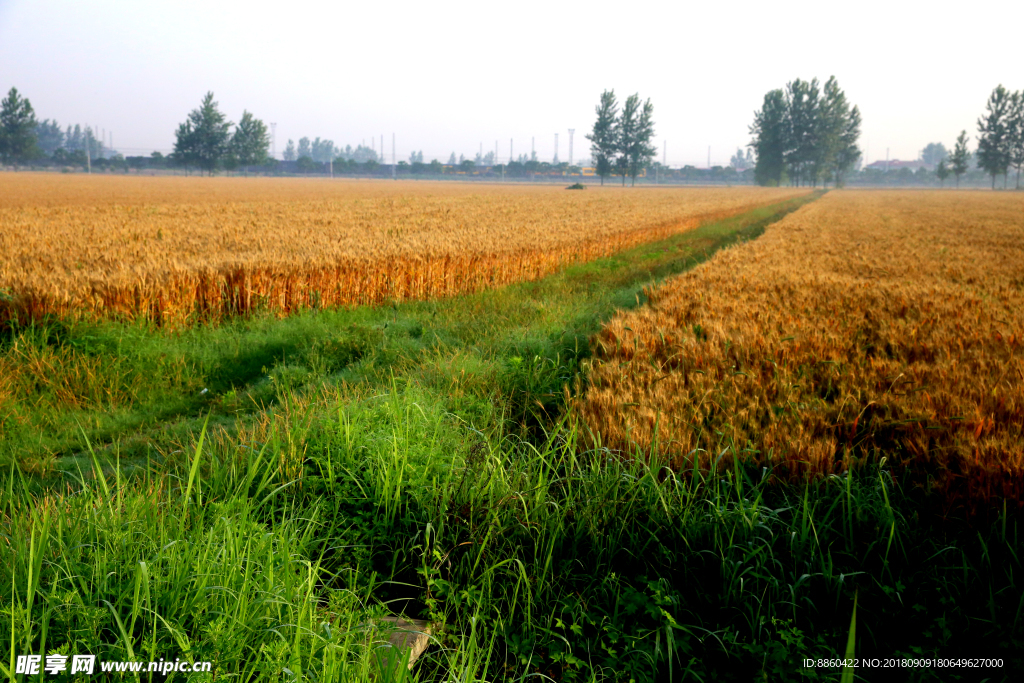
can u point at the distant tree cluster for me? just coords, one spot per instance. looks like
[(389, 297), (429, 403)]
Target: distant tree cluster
[(324, 151), (805, 134), (205, 140), (23, 139), (741, 161), (1001, 135), (1000, 142), (621, 142)]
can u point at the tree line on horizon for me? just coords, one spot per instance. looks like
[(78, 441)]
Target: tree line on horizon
[(805, 134), (802, 134)]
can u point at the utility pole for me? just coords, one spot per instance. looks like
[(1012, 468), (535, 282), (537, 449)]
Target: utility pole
[(555, 160), (571, 131), (709, 157), (382, 159), (394, 159), (273, 140), (88, 148), (533, 147)]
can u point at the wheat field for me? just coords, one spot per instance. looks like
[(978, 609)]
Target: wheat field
[(174, 249), (866, 324)]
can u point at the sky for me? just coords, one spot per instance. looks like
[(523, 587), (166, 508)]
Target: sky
[(445, 77)]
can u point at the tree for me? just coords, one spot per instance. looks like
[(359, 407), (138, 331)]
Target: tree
[(802, 99), (72, 138), (849, 152), (961, 158), (289, 151), (604, 136), (770, 139), (994, 141), (807, 133), (942, 171), (451, 160), (739, 161), (17, 129), (322, 151), (629, 123), (305, 149), (204, 138), (832, 115), (250, 142), (933, 153), (49, 137), (639, 149), (305, 164), (1017, 133)]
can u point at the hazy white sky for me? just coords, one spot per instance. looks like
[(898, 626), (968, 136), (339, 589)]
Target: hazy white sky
[(447, 76)]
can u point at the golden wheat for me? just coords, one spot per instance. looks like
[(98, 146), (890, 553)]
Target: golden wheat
[(866, 323), (171, 248)]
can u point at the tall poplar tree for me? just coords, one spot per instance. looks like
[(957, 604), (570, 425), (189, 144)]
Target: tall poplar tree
[(832, 114), (1017, 133), (994, 139), (802, 100), (604, 137), (849, 151), (639, 149), (629, 123), (770, 139)]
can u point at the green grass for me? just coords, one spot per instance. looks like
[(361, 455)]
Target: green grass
[(415, 459)]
